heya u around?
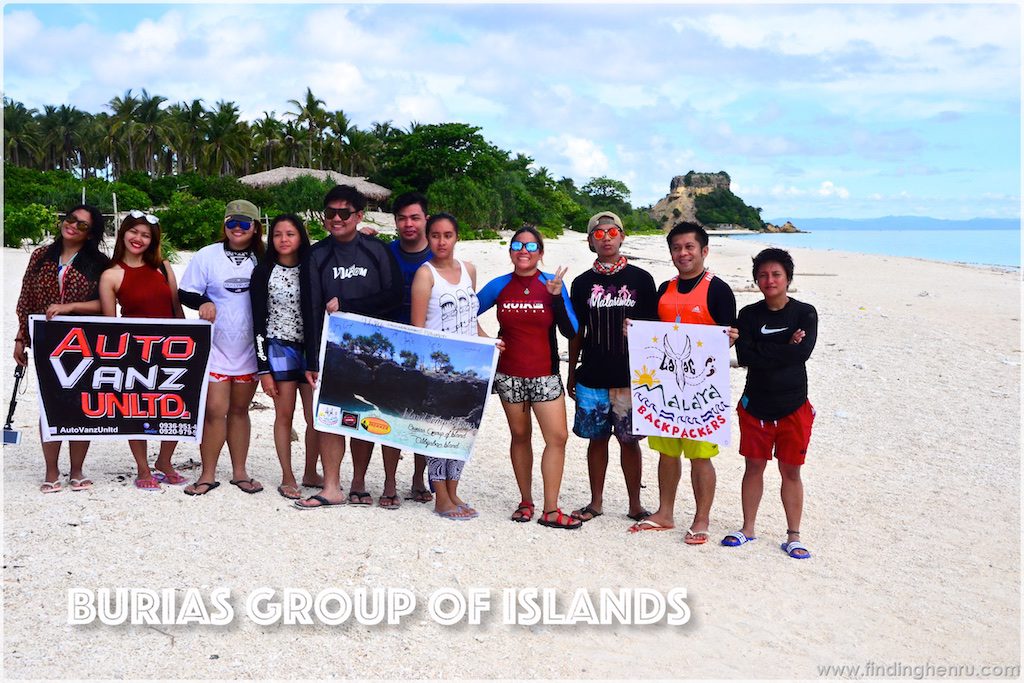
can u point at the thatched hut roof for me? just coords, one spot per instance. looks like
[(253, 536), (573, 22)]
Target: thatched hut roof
[(283, 174)]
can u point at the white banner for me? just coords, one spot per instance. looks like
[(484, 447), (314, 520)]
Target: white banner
[(680, 380)]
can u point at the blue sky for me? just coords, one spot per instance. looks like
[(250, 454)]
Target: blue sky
[(837, 110)]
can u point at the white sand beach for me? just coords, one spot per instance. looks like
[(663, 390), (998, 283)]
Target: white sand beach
[(912, 515)]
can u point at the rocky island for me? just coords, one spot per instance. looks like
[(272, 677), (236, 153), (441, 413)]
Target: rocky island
[(707, 199)]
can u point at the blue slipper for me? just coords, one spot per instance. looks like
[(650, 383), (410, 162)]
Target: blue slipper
[(792, 546), (736, 538), (455, 515)]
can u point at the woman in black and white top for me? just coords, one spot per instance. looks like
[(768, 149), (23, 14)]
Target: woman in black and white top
[(280, 357)]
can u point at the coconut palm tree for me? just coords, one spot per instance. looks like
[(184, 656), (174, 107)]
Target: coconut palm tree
[(21, 132), (267, 134), (224, 146), (312, 112), (292, 138), (151, 126), (124, 126), (362, 152)]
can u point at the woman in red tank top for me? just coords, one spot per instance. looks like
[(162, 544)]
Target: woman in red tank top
[(145, 287)]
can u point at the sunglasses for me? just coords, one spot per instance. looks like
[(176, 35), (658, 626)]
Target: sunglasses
[(610, 232), (237, 224), (150, 218), (343, 214), (81, 226), (519, 246)]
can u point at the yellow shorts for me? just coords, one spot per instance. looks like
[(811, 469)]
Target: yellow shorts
[(690, 449)]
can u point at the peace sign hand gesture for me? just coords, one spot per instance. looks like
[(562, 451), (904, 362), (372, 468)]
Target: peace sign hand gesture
[(554, 285)]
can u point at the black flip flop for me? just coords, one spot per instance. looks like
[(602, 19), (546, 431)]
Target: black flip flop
[(250, 481), (642, 515), (586, 510), (209, 487), (324, 503)]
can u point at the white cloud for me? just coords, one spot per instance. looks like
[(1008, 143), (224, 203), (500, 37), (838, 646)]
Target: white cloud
[(584, 157), (830, 189)]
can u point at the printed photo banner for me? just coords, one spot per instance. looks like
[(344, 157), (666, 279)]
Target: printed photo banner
[(121, 378), (408, 387), (680, 380)]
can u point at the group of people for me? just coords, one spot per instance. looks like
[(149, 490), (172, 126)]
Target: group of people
[(268, 305)]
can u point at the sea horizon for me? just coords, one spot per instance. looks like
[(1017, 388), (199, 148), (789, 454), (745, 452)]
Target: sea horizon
[(999, 247)]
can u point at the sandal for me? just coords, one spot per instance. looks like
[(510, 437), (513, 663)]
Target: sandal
[(420, 496), (83, 484), (561, 521), (210, 485), (360, 498), (51, 486), (524, 512), (586, 513), (175, 478), (148, 484), (394, 502), (291, 492)]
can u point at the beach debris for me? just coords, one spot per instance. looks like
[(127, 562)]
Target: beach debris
[(214, 656), (923, 293), (858, 366), (438, 549), (842, 415)]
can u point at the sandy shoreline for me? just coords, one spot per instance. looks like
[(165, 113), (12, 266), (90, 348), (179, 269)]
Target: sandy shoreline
[(912, 513)]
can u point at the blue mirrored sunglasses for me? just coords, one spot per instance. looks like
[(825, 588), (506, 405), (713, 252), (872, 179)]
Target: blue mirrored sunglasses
[(237, 224), (519, 246)]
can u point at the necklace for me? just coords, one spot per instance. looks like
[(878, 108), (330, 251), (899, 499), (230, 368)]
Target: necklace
[(524, 282)]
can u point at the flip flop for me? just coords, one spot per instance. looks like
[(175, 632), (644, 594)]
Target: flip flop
[(586, 510), (359, 497), (323, 503), (791, 547), (420, 496), (175, 478), (455, 515), (209, 487), (396, 502), (293, 496), (640, 516), (251, 482), (648, 525), (83, 484), (312, 486), (734, 539), (51, 487), (696, 537), (150, 484)]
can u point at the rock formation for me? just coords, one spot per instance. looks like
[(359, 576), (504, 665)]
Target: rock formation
[(678, 205)]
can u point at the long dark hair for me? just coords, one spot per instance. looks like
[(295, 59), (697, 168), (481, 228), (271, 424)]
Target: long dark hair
[(271, 258), (94, 261)]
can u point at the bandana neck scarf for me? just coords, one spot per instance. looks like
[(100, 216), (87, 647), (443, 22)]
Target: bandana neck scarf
[(602, 268)]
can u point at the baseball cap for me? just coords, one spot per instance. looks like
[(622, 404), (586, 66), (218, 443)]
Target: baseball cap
[(604, 218), (241, 207)]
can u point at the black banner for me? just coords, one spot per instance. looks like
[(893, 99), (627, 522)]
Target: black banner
[(121, 378)]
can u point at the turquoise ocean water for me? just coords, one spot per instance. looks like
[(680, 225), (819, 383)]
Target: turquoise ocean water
[(986, 247)]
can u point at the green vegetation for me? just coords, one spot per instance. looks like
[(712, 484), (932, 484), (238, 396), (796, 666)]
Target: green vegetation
[(183, 160), (721, 206)]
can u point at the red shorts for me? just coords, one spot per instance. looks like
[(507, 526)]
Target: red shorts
[(234, 379), (789, 436)]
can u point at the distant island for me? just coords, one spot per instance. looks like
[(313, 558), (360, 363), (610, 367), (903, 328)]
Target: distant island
[(707, 199), (908, 223)]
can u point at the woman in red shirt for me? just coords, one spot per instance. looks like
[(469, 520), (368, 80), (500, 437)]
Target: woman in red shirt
[(143, 283)]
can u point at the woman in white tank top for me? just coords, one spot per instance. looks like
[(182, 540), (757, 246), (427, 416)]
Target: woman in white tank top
[(444, 298)]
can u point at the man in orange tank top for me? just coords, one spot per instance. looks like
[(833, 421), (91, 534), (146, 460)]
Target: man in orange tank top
[(695, 296)]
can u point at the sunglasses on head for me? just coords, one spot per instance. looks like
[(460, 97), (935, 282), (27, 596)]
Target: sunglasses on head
[(81, 226), (150, 218), (343, 214), (238, 224), (519, 246), (600, 233)]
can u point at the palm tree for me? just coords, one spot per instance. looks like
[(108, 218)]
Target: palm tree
[(49, 137), (189, 131), (124, 109), (312, 112), (224, 145), (21, 132), (152, 128), (292, 137), (267, 133), (362, 152)]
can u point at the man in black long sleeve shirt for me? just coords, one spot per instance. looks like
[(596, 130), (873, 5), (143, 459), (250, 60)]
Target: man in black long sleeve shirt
[(349, 272), (776, 337)]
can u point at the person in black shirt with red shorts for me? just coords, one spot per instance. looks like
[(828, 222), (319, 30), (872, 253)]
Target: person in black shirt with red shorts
[(776, 337)]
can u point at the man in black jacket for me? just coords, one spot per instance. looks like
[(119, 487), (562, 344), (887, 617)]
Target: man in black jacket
[(349, 272)]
